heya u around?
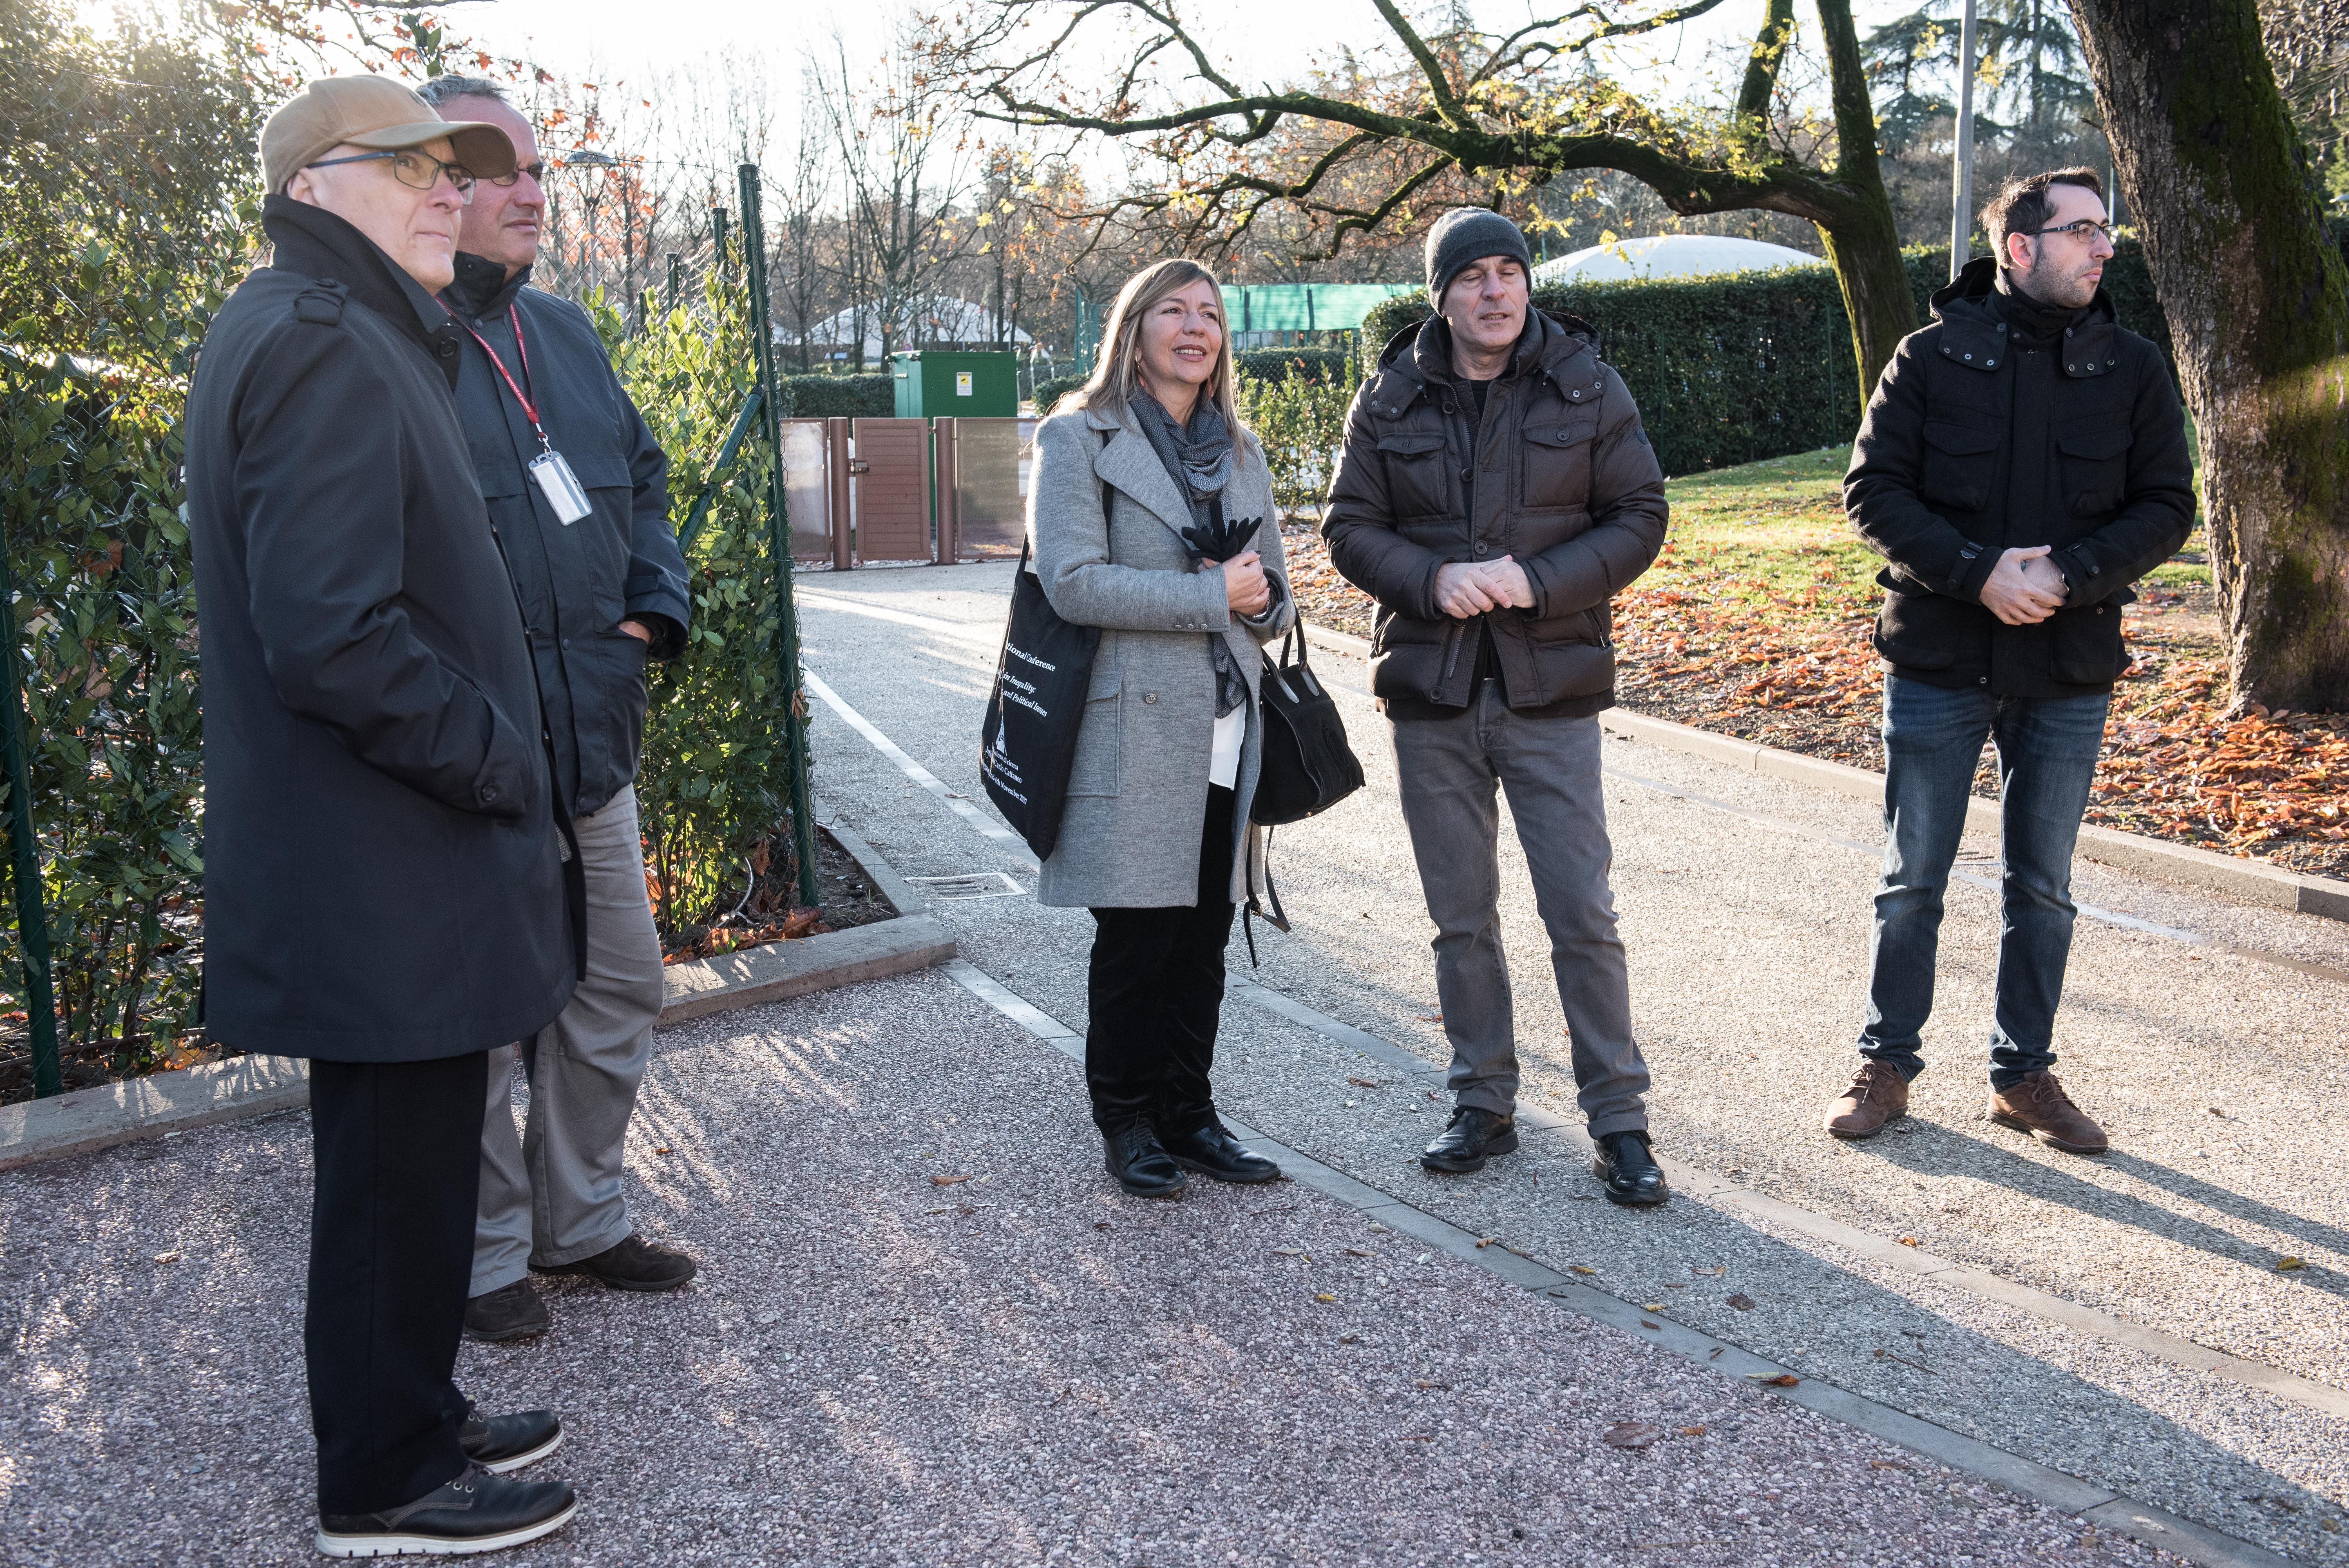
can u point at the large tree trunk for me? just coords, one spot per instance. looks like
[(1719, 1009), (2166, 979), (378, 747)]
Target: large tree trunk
[(1858, 233), (2257, 305)]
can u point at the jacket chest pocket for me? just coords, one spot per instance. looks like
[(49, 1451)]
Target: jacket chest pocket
[(1959, 464), (1419, 474), (1557, 460), (2095, 459)]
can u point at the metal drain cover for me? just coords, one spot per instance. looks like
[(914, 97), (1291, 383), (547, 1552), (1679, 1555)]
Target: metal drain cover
[(972, 884)]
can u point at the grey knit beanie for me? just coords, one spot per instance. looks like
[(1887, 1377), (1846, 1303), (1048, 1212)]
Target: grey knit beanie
[(1466, 234)]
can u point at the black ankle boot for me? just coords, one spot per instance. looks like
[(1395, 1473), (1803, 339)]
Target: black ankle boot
[(1141, 1165), (1212, 1150)]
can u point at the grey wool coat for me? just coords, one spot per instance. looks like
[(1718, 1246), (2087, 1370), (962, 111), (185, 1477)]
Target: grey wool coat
[(1138, 788)]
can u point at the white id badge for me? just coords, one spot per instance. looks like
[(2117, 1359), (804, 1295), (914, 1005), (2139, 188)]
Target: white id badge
[(560, 485)]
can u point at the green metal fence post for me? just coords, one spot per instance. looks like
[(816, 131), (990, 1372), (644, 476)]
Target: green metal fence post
[(754, 252), (25, 860)]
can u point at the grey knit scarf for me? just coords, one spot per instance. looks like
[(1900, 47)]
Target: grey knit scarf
[(1198, 458)]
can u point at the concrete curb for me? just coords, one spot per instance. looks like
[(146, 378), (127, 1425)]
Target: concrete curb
[(151, 1107), (164, 1103), (2254, 881)]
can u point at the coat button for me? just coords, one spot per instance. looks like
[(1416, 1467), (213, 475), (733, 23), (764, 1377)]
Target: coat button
[(1150, 696), (2071, 367), (566, 641), (1983, 681), (1969, 357), (488, 794), (1990, 364), (1480, 549)]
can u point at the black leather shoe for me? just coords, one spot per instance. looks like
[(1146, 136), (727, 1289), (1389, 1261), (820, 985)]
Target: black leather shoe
[(1630, 1173), (1140, 1162), (502, 1443), (1214, 1151), (1472, 1135), (478, 1511), (632, 1263), (509, 1312)]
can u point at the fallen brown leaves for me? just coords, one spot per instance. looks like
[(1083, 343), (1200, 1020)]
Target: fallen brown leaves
[(1784, 662)]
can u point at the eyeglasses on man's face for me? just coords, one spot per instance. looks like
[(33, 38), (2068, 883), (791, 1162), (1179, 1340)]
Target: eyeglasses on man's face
[(2084, 230), (537, 171), (416, 169)]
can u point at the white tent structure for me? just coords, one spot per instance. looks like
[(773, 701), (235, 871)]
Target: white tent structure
[(932, 319), (1670, 256)]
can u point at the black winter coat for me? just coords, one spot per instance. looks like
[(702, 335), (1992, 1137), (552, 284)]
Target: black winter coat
[(577, 581), (1972, 446), (383, 870), (1563, 481)]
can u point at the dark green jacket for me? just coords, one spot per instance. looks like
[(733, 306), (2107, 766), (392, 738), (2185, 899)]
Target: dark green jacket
[(1972, 447)]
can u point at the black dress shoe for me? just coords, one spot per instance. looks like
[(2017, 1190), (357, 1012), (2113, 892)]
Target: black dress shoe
[(1472, 1135), (509, 1312), (1630, 1173), (502, 1443), (1212, 1150), (631, 1264), (478, 1511), (1140, 1162)]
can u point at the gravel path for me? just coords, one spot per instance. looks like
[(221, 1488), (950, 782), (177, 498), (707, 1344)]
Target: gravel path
[(1748, 938), (1019, 1365)]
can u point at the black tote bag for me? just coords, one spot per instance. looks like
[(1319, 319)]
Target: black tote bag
[(1028, 738), (1308, 766)]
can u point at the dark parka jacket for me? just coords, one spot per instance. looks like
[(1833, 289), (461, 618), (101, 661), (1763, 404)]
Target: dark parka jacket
[(1565, 482), (577, 581), (384, 875), (1972, 446)]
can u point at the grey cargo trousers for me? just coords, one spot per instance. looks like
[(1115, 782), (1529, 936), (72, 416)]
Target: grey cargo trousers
[(1448, 768), (553, 1195)]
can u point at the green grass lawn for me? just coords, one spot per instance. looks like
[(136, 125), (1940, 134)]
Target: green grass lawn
[(1781, 521)]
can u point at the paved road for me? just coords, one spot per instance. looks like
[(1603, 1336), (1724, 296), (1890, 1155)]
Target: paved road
[(1028, 1368), (2075, 1306)]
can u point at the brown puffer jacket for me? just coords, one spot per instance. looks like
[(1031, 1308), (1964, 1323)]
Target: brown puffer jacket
[(1566, 483)]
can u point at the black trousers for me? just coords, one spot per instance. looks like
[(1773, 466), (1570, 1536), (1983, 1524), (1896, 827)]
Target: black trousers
[(398, 1156), (1156, 991)]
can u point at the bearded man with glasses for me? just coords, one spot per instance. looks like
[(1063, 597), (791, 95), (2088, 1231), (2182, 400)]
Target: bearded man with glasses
[(2022, 463), (601, 581), (385, 872)]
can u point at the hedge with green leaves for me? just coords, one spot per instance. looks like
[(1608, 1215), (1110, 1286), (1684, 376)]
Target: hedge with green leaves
[(1746, 365), (1321, 367), (840, 397)]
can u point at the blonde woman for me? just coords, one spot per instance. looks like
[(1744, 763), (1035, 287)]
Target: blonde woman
[(1152, 518)]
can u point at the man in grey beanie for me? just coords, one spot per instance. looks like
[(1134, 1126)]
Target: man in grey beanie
[(1494, 492)]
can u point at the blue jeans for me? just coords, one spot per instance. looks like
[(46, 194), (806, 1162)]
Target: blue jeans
[(2046, 759)]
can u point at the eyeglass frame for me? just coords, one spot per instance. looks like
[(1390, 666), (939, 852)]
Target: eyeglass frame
[(460, 177), (2073, 228), (537, 171)]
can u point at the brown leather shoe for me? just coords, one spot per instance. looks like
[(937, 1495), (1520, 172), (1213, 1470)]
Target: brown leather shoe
[(2039, 1107), (1878, 1096)]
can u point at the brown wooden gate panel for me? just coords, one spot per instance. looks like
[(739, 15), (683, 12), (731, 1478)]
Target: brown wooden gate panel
[(893, 489)]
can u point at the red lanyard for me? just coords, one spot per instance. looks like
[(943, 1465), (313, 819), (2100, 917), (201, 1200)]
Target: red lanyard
[(529, 408)]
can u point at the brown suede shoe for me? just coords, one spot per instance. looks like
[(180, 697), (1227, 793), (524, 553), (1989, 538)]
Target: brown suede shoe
[(2039, 1107), (1878, 1096)]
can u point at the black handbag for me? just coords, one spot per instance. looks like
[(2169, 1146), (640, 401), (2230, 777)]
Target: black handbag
[(1028, 738), (1308, 766)]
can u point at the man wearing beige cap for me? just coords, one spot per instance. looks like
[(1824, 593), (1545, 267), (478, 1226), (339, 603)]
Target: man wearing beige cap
[(385, 875)]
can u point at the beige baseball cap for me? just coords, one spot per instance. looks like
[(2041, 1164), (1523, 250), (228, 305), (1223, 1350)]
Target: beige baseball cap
[(375, 113)]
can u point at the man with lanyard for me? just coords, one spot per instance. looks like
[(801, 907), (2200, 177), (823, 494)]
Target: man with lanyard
[(579, 496)]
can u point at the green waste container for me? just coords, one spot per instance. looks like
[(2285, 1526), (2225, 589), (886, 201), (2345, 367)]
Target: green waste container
[(954, 383)]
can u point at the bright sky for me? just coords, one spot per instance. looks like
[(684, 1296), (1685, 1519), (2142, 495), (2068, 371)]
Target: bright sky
[(1272, 42)]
